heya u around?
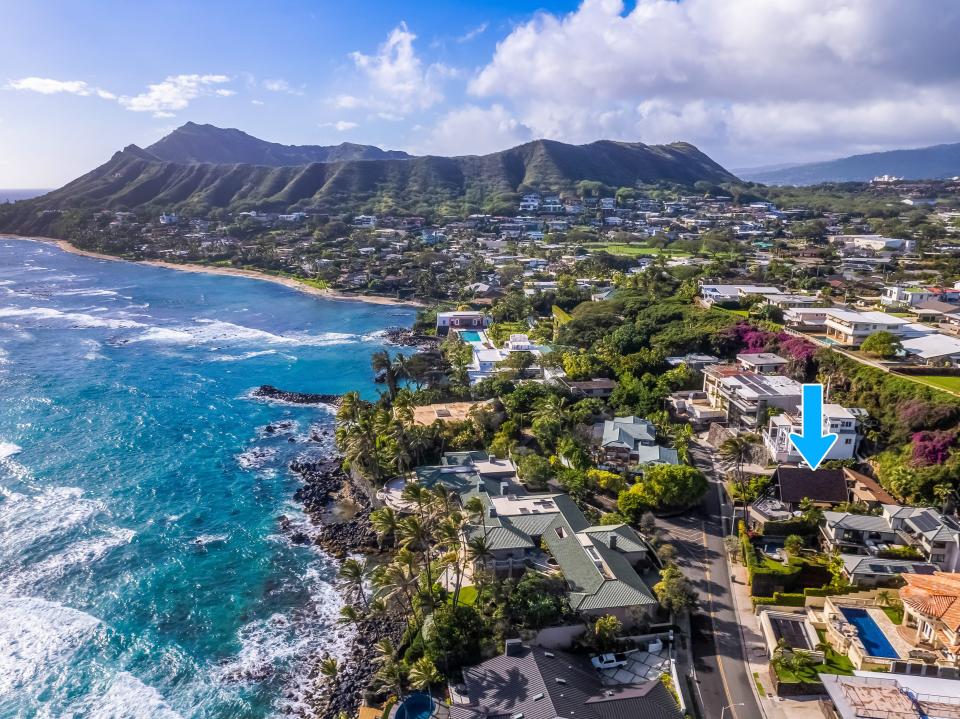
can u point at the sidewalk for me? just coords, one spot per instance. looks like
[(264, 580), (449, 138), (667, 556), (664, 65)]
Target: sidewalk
[(758, 661)]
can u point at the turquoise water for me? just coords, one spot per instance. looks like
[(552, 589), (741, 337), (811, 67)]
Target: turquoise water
[(869, 633), (470, 336), (142, 570), (416, 706)]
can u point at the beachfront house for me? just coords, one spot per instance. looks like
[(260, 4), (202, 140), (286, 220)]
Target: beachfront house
[(461, 320), (538, 683), (598, 562)]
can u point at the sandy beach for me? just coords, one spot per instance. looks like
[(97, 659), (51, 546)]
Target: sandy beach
[(251, 274)]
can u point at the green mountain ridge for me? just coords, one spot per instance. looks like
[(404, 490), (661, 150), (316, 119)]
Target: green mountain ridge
[(136, 179), (925, 163), (192, 143)]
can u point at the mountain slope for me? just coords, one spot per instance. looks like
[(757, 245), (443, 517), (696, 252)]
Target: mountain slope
[(136, 179), (193, 143), (925, 163)]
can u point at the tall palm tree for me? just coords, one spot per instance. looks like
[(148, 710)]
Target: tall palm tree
[(736, 450), (416, 535), (479, 552), (384, 522), (351, 576), (393, 674), (383, 365), (350, 615), (477, 513)]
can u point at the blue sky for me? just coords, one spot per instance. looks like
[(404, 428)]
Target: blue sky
[(750, 83)]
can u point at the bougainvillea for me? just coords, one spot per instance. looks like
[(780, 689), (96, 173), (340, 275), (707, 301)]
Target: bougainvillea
[(912, 414), (795, 348), (931, 447)]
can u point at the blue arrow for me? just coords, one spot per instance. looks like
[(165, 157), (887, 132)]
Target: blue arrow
[(813, 445)]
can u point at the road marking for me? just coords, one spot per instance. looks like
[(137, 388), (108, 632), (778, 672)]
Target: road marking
[(713, 625)]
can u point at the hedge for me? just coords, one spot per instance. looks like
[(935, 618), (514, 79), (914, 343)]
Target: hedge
[(781, 599), (788, 527)]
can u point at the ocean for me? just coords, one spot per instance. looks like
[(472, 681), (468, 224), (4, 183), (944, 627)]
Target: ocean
[(142, 570)]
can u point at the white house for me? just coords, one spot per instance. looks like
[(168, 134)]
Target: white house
[(461, 320), (846, 327), (366, 221), (836, 420)]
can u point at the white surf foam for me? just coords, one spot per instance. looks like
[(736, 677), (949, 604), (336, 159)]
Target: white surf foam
[(28, 519), (74, 319), (38, 637), (8, 449), (206, 332), (256, 457), (288, 644), (244, 356), (126, 698), (80, 554)]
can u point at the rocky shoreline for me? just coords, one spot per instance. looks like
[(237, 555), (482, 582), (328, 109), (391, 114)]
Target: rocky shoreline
[(325, 484), (405, 337), (268, 391)]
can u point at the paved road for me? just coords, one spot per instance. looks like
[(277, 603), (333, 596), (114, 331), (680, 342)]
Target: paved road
[(723, 678)]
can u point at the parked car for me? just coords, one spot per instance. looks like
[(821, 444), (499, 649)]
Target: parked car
[(609, 661)]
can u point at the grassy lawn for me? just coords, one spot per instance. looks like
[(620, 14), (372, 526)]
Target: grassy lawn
[(633, 250), (951, 384), (895, 614), (833, 664), (756, 680)]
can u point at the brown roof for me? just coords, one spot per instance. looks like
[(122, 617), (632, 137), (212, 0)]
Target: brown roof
[(822, 485), (934, 595), (868, 485)]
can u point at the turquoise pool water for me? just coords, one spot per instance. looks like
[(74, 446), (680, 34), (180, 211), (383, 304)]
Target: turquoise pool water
[(870, 634), (470, 336), (416, 706)]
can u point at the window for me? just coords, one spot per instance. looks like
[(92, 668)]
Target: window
[(937, 558), (847, 440)]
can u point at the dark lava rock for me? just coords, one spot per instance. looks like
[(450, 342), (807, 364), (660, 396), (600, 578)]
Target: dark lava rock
[(270, 392)]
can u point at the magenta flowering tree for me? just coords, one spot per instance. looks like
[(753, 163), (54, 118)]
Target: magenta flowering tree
[(932, 447), (795, 348)]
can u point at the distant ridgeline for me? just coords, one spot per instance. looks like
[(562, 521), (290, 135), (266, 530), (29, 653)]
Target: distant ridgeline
[(201, 168)]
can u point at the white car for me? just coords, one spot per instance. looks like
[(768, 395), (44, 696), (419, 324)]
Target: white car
[(609, 661)]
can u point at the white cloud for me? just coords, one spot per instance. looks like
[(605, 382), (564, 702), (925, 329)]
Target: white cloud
[(280, 85), (225, 93), (340, 125), (174, 93), (473, 130), (474, 32), (397, 78), (256, 102), (49, 86), (768, 81)]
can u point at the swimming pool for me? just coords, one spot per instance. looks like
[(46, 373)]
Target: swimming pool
[(470, 336), (869, 633), (416, 706)]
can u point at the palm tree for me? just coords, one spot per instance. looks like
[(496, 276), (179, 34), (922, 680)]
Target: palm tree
[(384, 522), (329, 667), (384, 651), (415, 534), (479, 552), (351, 576), (424, 674), (349, 615), (476, 511), (383, 365), (736, 450), (393, 674)]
